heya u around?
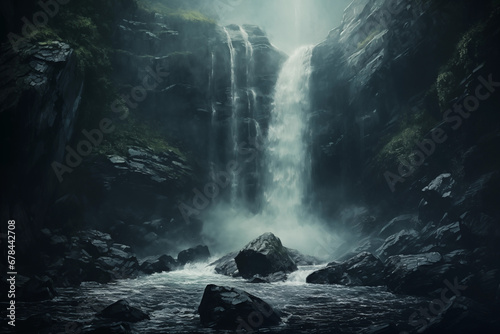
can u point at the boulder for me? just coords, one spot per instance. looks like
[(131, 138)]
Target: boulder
[(264, 256), (363, 269), (421, 274), (197, 254), (122, 311), (226, 265), (403, 242), (234, 309)]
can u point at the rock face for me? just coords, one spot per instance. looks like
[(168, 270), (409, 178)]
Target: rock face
[(197, 254), (122, 311), (264, 256), (40, 93), (231, 309), (363, 269)]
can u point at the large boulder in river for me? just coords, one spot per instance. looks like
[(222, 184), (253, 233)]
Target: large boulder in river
[(158, 264), (264, 256), (197, 254), (121, 310), (234, 309), (362, 269)]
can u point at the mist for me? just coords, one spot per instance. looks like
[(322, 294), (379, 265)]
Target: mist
[(288, 23)]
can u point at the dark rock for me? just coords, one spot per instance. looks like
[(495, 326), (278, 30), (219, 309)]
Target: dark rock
[(462, 316), (363, 269), (122, 311), (229, 308), (263, 256), (226, 265), (332, 274), (438, 195), (158, 264), (36, 322), (403, 242), (398, 224), (197, 254), (421, 274), (37, 289)]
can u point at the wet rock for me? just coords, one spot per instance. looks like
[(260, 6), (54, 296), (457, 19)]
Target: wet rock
[(332, 274), (226, 265), (122, 311), (421, 274), (363, 269), (197, 254), (93, 256), (403, 242), (264, 256), (158, 264), (231, 309)]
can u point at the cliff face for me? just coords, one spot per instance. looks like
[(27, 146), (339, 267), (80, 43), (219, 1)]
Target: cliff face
[(40, 98), (378, 92), (178, 96)]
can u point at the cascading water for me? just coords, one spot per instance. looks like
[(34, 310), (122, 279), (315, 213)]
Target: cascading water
[(287, 160), (287, 155), (234, 112)]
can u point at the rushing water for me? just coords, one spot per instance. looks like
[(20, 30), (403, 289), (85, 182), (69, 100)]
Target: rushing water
[(287, 156), (171, 299)]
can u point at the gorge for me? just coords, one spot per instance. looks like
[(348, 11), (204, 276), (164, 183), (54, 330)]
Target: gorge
[(169, 168)]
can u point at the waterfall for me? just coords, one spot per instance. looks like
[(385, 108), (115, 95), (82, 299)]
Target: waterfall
[(286, 155), (234, 113), (278, 174)]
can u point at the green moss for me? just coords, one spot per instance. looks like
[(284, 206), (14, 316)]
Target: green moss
[(412, 129), (466, 57), (171, 10), (135, 133)]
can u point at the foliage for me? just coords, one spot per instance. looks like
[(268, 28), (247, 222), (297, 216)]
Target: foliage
[(412, 129), (173, 10), (133, 132), (466, 57)]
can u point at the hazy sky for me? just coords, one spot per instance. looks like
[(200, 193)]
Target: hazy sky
[(289, 23)]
